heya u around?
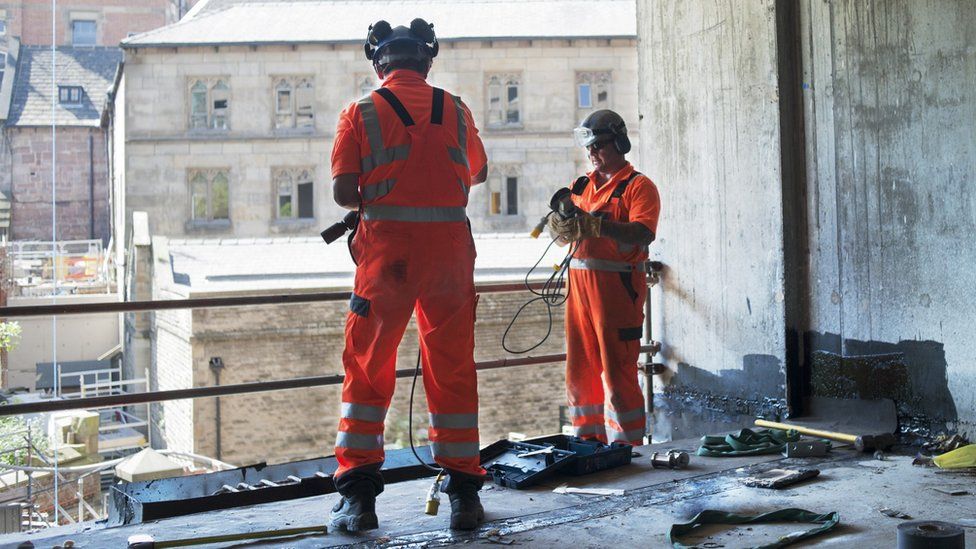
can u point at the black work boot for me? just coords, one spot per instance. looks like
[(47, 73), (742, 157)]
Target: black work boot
[(356, 511), (466, 510)]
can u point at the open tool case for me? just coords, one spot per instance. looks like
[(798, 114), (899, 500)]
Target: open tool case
[(522, 464)]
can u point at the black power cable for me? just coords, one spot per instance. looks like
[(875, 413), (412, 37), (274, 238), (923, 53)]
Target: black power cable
[(551, 294), (413, 388)]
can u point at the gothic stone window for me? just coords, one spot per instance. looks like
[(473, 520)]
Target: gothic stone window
[(294, 97), (209, 103), (209, 189), (504, 103), (294, 188), (503, 192), (593, 90)]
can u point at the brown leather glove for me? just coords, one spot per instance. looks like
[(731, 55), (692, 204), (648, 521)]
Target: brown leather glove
[(575, 228)]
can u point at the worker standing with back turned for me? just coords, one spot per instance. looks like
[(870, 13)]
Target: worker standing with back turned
[(405, 157), (607, 284)]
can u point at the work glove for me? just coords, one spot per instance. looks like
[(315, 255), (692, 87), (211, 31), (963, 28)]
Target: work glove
[(575, 228)]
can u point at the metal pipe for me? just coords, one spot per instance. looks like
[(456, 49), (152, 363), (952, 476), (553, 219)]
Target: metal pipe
[(207, 302), (89, 403), (91, 186)]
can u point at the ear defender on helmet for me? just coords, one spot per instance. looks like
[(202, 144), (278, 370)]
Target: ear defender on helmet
[(425, 31), (620, 140), (378, 31)]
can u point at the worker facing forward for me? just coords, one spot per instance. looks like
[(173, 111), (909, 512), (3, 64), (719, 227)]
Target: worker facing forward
[(405, 157), (607, 284)]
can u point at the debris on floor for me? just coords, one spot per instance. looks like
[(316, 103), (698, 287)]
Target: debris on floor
[(780, 478), (888, 512), (825, 522), (945, 443), (951, 490), (563, 489)]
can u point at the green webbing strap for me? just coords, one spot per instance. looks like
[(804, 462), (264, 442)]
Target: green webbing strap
[(826, 522), (747, 443)]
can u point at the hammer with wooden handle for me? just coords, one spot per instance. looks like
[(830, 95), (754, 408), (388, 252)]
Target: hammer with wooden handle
[(863, 443)]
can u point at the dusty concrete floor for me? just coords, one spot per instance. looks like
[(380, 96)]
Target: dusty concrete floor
[(851, 484)]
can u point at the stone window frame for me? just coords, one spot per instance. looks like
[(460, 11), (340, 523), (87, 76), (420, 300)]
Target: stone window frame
[(83, 17), (216, 118), (499, 116), (294, 115), (209, 178), (296, 176), (498, 187), (3, 27), (597, 82), (365, 84)]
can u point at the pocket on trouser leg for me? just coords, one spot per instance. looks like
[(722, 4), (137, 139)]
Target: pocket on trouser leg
[(630, 334)]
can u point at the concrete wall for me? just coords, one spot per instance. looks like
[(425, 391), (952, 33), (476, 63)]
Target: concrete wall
[(78, 337), (816, 162), (891, 164), (160, 148), (710, 140)]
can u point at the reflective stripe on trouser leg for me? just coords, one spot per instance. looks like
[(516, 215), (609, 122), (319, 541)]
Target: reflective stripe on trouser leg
[(445, 320), (600, 365), (369, 357)]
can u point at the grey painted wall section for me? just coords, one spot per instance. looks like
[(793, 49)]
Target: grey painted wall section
[(891, 163), (710, 139)]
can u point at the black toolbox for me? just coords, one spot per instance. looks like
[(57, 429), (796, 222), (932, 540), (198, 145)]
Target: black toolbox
[(523, 464), (591, 455)]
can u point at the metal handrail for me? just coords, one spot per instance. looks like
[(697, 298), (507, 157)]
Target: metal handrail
[(207, 302), (89, 403)]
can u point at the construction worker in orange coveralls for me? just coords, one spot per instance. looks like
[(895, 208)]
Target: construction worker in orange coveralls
[(607, 284), (405, 156)]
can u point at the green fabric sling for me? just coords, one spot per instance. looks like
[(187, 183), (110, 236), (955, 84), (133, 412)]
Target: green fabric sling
[(826, 521), (747, 443)]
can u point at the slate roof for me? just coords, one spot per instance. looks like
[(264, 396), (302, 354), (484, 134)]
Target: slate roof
[(280, 263), (244, 22), (93, 68)]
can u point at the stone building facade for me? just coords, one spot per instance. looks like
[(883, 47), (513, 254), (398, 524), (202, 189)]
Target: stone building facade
[(85, 22), (225, 131), (230, 135)]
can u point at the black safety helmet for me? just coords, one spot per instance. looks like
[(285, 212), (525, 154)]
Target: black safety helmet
[(385, 44), (601, 123)]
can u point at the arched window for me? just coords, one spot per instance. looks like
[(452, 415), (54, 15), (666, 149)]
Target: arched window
[(504, 103)]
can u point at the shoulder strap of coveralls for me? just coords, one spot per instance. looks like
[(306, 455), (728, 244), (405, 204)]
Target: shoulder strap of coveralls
[(436, 108), (580, 184)]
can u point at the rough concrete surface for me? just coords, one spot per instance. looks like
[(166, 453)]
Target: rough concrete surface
[(852, 484)]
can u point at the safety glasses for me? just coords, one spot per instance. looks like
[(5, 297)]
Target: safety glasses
[(585, 136)]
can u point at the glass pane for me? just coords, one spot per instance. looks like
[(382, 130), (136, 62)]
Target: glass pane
[(495, 203), (602, 96), (284, 101), (284, 185), (584, 96), (83, 33), (218, 197), (306, 201), (511, 194), (199, 192), (219, 122), (284, 206), (512, 93), (513, 116)]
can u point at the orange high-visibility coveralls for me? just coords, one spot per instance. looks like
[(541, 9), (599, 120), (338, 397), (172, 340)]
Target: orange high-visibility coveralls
[(416, 149), (605, 313)]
